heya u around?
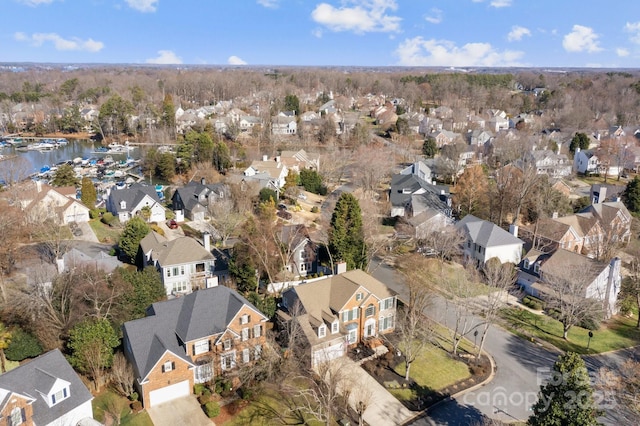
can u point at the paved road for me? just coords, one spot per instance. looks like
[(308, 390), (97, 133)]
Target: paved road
[(520, 365)]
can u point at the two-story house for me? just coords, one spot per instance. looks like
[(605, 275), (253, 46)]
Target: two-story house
[(339, 312), (485, 240), (192, 339), (137, 200), (45, 391), (184, 264), (41, 202), (405, 186), (269, 173), (283, 125), (193, 200), (303, 253)]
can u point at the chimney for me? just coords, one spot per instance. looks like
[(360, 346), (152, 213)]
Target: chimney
[(265, 158), (203, 181), (38, 186), (554, 215), (212, 281), (60, 265), (206, 241), (513, 230), (340, 268), (278, 159)]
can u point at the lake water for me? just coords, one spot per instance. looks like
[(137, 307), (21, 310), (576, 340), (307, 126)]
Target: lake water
[(75, 148)]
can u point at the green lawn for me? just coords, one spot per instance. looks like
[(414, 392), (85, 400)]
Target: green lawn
[(108, 400), (106, 234), (616, 333)]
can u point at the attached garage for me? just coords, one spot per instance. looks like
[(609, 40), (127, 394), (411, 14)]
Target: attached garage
[(328, 353), (169, 393)]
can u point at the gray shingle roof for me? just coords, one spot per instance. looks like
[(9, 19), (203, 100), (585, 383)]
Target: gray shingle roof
[(403, 186), (38, 376), (188, 197), (132, 196), (485, 233), (171, 323)]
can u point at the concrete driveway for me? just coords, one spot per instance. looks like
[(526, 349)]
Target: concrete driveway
[(383, 409), (181, 411)]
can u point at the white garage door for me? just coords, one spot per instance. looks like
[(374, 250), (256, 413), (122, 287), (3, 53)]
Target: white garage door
[(328, 353), (169, 393)]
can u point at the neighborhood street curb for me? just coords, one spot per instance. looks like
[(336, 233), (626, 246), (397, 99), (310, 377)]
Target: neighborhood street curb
[(425, 413)]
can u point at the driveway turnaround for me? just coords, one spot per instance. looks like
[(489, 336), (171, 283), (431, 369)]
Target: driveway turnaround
[(383, 409), (181, 411)]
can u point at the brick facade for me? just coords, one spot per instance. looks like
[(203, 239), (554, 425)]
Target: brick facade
[(26, 411)]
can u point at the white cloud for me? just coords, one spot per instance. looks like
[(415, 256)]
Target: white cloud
[(435, 17), (362, 17), (622, 52), (581, 39), (74, 43), (500, 3), (634, 29), (143, 5), (165, 57), (234, 60), (517, 32), (419, 52), (270, 4), (34, 3)]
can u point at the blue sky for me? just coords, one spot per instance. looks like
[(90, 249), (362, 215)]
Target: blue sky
[(458, 33)]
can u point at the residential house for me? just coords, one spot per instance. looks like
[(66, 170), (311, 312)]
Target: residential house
[(614, 218), (549, 234), (339, 312), (269, 173), (420, 170), (298, 160), (192, 339), (41, 202), (549, 163), (405, 186), (309, 116), (303, 253), (485, 240), (184, 264), (283, 125), (248, 122), (429, 125), (194, 199), (539, 272), (591, 161), (136, 200), (45, 391), (445, 137), (479, 137)]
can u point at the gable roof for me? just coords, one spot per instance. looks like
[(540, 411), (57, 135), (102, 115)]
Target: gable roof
[(132, 196), (174, 252), (607, 212), (172, 323), (403, 186), (485, 233), (35, 379), (190, 193)]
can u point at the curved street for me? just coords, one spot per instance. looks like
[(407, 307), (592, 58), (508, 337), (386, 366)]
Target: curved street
[(519, 366)]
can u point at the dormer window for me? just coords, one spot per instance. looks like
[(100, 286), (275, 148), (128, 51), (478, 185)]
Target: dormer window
[(123, 204), (536, 268), (322, 331), (334, 327), (526, 264), (61, 395)]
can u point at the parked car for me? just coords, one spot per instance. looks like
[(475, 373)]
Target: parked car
[(282, 207), (302, 196), (172, 224)]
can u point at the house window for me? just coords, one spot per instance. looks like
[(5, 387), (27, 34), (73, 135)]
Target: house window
[(257, 351), (386, 323), (334, 327), (353, 336), (168, 272), (17, 416), (303, 267), (257, 330), (369, 311), (350, 315), (387, 303), (182, 270), (322, 331), (536, 268), (358, 296), (59, 396), (168, 366), (245, 334), (246, 355), (180, 286), (226, 345), (201, 347), (526, 264), (228, 361), (175, 270), (244, 319)]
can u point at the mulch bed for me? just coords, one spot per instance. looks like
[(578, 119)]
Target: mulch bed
[(382, 369)]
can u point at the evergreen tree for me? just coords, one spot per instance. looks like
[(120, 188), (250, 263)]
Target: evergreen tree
[(146, 288), (312, 181), (134, 231), (23, 345), (580, 140), (429, 147), (346, 235), (292, 103), (168, 118), (567, 399), (92, 343), (631, 195), (89, 195), (65, 176)]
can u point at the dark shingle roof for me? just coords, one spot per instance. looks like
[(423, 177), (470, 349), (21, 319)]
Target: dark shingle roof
[(171, 323), (132, 196), (37, 377), (403, 186), (191, 193)]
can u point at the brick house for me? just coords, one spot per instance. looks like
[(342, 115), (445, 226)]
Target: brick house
[(192, 339), (45, 391), (339, 312)]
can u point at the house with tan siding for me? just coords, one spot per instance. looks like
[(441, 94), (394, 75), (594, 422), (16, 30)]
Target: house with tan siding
[(192, 339)]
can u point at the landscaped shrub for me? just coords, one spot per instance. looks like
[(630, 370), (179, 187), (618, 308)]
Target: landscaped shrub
[(23, 345), (134, 396), (315, 209), (136, 406), (204, 399), (533, 303), (108, 218), (94, 213), (198, 388), (212, 409), (590, 324)]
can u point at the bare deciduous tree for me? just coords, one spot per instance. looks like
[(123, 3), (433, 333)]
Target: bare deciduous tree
[(122, 376), (225, 218)]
